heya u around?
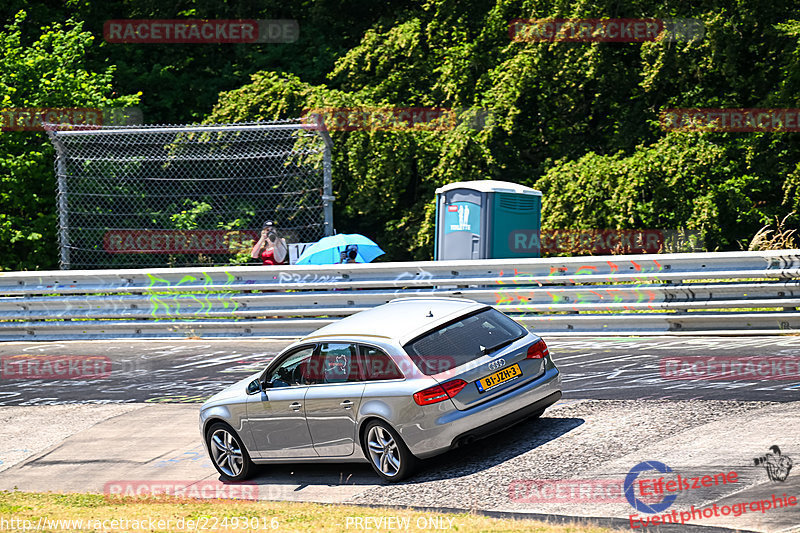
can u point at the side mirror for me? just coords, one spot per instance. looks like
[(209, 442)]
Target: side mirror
[(254, 387)]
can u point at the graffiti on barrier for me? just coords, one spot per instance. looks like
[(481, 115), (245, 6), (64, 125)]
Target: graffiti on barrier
[(170, 304), (614, 295), (288, 277)]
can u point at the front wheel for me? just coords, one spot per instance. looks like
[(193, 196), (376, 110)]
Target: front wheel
[(387, 453), (229, 456)]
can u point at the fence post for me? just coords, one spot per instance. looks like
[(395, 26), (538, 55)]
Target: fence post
[(327, 171), (63, 215)]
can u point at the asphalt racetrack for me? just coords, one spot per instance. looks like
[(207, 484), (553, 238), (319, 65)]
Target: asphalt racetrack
[(623, 404), (173, 371)]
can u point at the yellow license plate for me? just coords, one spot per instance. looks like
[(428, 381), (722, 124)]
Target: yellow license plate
[(499, 377)]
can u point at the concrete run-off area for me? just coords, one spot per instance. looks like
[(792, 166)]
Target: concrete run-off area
[(150, 447)]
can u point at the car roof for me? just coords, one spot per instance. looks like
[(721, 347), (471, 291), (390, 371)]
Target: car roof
[(400, 319)]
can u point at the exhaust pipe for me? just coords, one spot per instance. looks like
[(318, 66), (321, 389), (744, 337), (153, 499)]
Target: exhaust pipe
[(464, 441)]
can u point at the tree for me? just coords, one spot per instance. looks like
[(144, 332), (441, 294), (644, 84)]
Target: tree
[(579, 120), (47, 72)]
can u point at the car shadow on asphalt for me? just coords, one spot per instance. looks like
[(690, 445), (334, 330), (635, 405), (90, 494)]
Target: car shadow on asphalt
[(474, 457), (495, 449), (307, 474)]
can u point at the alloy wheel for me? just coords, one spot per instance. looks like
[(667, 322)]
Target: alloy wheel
[(227, 453), (383, 451)]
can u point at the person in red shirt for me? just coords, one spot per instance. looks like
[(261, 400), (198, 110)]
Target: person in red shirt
[(270, 248)]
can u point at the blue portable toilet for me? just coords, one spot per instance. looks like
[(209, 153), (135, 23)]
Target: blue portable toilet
[(487, 219)]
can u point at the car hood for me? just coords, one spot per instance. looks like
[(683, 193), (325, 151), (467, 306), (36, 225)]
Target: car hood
[(238, 389)]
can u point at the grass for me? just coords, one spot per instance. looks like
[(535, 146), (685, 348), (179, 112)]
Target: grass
[(229, 515)]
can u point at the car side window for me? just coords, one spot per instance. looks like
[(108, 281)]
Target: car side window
[(378, 366), (335, 363), (293, 370)]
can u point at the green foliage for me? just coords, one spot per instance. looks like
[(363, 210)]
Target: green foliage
[(47, 71), (578, 120), (181, 82), (187, 218), (682, 181)]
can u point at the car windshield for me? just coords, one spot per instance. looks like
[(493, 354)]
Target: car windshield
[(462, 341)]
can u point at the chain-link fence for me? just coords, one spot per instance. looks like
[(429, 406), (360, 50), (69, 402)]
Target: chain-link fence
[(142, 196)]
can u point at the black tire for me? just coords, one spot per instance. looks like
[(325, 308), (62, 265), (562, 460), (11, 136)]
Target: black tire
[(389, 456), (227, 452)]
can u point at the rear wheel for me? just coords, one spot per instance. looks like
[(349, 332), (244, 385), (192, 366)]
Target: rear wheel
[(387, 453), (227, 452)]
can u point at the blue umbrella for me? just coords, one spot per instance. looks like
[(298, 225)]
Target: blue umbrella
[(327, 251)]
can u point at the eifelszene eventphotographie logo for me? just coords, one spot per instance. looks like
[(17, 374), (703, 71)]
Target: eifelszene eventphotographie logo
[(777, 465)]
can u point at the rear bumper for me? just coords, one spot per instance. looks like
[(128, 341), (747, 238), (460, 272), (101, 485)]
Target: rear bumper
[(507, 421), (454, 426)]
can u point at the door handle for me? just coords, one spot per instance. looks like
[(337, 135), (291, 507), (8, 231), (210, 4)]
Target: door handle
[(296, 406), (347, 404)]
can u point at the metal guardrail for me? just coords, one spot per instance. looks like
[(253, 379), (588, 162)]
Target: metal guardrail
[(733, 292)]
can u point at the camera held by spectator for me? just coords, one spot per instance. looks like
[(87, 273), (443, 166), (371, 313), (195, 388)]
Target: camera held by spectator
[(271, 247), (349, 254)]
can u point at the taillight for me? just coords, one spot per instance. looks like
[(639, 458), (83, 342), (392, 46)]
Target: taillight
[(538, 350), (454, 386), (439, 393), (430, 395)]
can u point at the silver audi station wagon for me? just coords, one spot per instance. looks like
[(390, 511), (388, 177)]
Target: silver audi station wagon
[(391, 385)]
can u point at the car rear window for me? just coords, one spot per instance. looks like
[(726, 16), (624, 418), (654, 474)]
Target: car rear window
[(462, 341)]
